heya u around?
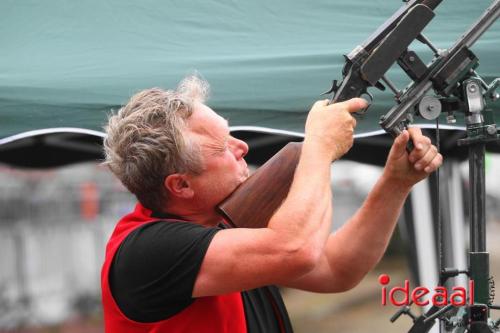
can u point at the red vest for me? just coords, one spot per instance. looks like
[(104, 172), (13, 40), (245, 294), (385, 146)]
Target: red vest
[(214, 314)]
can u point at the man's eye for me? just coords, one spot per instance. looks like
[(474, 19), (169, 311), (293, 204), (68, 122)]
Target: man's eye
[(220, 149), (225, 145)]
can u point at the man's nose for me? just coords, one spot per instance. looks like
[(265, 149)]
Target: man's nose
[(240, 148)]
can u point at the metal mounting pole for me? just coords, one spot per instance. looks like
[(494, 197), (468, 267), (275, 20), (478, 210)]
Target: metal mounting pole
[(478, 257)]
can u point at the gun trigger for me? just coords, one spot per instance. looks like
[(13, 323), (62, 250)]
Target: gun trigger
[(369, 100), (370, 96), (333, 89), (379, 86)]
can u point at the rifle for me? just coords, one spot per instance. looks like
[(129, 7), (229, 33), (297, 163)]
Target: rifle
[(364, 67)]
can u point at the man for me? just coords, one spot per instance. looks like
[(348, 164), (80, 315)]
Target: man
[(172, 266)]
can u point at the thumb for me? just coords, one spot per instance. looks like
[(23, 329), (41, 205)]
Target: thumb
[(351, 105), (398, 149)]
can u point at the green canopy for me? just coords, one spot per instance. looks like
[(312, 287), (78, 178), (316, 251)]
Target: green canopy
[(68, 63)]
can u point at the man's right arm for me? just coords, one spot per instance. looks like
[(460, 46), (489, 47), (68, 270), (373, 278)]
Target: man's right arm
[(291, 245)]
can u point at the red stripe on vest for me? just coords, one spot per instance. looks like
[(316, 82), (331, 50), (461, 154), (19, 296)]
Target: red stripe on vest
[(214, 314)]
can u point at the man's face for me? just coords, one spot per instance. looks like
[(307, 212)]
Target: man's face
[(222, 155)]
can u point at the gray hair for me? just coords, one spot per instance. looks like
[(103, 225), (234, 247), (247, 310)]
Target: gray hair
[(145, 140)]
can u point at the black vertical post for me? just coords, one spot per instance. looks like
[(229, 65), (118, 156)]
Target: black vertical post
[(477, 197), (479, 268), (478, 257)]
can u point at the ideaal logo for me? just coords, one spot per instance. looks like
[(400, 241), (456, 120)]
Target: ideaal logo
[(400, 296)]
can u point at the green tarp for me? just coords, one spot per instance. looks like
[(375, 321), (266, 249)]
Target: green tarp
[(68, 63)]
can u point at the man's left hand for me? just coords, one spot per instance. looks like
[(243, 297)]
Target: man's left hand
[(409, 169)]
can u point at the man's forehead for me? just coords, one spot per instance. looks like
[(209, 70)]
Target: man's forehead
[(206, 121)]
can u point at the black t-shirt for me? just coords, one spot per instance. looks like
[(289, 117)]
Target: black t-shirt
[(154, 270)]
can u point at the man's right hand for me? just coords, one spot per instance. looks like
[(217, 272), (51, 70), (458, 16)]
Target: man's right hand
[(331, 126)]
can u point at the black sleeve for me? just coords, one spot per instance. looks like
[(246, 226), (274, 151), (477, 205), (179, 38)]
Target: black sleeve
[(154, 270)]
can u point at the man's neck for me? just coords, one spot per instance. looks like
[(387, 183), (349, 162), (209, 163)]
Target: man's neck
[(206, 218)]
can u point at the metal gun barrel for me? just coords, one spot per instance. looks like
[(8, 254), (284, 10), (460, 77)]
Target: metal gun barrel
[(483, 23)]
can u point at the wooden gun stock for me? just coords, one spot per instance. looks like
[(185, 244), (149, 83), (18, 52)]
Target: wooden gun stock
[(254, 202)]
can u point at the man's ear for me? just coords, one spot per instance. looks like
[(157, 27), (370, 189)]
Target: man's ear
[(178, 185)]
